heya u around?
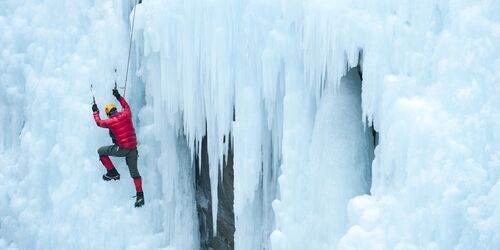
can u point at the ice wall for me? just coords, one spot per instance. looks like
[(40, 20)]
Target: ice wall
[(51, 192), (271, 75), (429, 88), (210, 77)]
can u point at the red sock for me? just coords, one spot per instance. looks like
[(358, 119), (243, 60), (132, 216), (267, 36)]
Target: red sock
[(138, 184), (107, 162)]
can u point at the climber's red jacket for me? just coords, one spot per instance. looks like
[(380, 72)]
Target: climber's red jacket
[(120, 126)]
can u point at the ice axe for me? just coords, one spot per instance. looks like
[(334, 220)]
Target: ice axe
[(92, 92), (115, 80), (116, 85)]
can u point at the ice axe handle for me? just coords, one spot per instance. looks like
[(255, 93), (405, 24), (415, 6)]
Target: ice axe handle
[(92, 92)]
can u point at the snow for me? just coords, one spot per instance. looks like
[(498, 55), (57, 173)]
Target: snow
[(278, 79)]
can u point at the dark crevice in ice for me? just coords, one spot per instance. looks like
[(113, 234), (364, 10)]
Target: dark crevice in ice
[(372, 134), (370, 129), (224, 239)]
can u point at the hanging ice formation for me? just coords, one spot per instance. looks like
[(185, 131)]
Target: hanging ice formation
[(290, 97)]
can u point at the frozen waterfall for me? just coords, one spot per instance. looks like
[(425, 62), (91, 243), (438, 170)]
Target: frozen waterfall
[(262, 124)]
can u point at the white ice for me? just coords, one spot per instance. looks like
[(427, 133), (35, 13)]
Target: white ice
[(306, 173)]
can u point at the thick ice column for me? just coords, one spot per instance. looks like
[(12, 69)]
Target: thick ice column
[(298, 109), (257, 130), (167, 153), (248, 168)]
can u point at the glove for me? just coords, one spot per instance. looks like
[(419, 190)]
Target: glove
[(95, 108), (116, 93)]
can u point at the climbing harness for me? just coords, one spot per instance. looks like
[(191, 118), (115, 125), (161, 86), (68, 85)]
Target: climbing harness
[(129, 49)]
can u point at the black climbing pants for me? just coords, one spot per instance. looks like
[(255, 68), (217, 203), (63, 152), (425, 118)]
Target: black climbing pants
[(130, 155)]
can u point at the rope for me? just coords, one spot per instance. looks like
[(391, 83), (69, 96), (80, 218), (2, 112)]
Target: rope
[(130, 48)]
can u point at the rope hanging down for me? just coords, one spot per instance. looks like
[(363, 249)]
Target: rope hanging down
[(130, 48)]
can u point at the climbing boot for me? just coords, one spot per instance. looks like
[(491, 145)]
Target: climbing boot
[(139, 199), (112, 174)]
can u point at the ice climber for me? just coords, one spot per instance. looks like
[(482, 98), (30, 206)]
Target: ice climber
[(122, 132)]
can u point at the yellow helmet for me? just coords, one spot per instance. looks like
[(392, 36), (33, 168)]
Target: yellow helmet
[(109, 107)]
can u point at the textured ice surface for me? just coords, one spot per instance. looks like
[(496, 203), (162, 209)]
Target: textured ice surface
[(51, 192), (430, 87)]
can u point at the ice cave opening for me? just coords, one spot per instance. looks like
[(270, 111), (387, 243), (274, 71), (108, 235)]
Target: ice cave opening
[(364, 137)]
